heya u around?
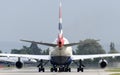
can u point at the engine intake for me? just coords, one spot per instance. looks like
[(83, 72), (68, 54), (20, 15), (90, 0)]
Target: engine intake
[(19, 64), (103, 63)]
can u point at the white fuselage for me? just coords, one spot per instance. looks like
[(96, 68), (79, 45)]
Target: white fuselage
[(64, 51)]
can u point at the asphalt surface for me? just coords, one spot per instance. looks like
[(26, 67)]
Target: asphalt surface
[(33, 71)]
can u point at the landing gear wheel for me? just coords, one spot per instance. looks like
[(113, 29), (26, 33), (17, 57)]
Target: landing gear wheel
[(80, 69), (42, 69), (61, 69), (53, 70), (67, 69)]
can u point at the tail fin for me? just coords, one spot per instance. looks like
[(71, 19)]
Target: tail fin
[(60, 19)]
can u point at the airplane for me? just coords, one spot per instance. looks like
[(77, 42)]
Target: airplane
[(60, 54)]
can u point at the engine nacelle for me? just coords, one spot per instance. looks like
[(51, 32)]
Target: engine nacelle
[(19, 64), (103, 63)]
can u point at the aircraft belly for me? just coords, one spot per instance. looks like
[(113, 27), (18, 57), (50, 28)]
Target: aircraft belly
[(62, 56), (60, 60)]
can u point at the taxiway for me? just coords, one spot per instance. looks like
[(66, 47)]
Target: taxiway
[(33, 71)]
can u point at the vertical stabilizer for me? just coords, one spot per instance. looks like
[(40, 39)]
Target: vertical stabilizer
[(60, 19)]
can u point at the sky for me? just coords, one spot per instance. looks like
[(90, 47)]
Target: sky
[(38, 20)]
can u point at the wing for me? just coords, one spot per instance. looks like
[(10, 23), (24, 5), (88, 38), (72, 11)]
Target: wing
[(82, 57), (37, 57), (6, 59)]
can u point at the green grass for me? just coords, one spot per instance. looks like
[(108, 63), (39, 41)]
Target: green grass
[(114, 70), (115, 74)]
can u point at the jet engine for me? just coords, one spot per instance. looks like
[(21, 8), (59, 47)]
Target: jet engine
[(103, 63), (19, 64)]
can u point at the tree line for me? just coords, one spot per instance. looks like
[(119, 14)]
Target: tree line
[(33, 50), (88, 46)]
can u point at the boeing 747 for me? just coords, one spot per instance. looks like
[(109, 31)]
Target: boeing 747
[(60, 54)]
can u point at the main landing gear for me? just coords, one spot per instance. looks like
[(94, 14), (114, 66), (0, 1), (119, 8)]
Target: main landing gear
[(80, 68), (54, 69), (40, 66), (64, 69), (60, 69)]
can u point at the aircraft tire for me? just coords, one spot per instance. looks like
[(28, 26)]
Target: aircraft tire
[(78, 69), (69, 69), (53, 69), (42, 69)]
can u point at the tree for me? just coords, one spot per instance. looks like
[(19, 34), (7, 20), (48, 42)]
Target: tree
[(23, 50), (15, 51), (0, 51), (45, 52), (34, 49), (89, 46), (74, 52), (112, 48)]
